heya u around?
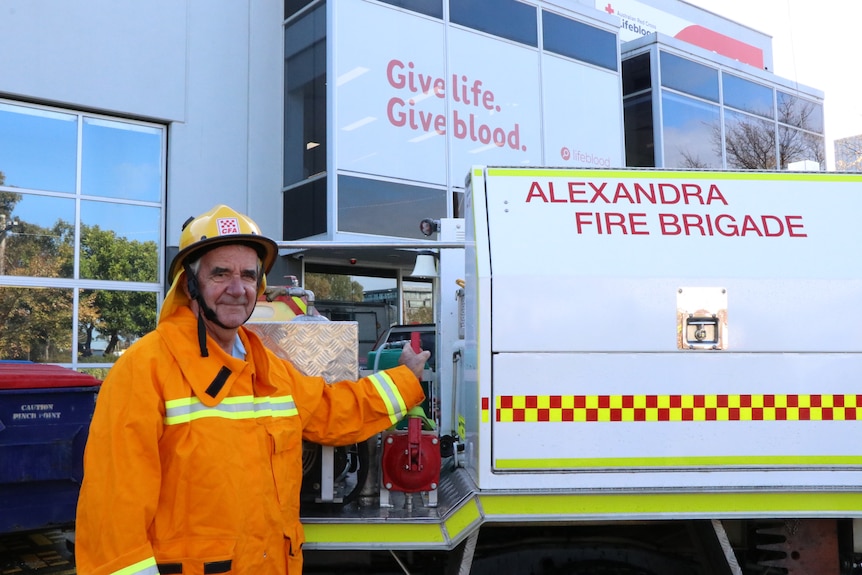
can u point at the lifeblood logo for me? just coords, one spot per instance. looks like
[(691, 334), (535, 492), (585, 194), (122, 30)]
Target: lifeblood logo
[(584, 158), (471, 102), (666, 222)]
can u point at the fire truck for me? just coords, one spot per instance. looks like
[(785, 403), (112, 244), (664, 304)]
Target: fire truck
[(641, 372)]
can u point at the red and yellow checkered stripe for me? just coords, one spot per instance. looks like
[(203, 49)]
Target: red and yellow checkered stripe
[(655, 408)]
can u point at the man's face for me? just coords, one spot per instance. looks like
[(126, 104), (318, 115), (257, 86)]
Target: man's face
[(228, 278)]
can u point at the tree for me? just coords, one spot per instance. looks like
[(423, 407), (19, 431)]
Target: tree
[(121, 314), (848, 154), (749, 142), (334, 287), (35, 323)]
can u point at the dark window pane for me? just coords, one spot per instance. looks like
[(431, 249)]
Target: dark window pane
[(305, 97), (748, 96), (428, 7), (367, 206), (305, 210), (36, 324), (121, 160), (291, 7), (640, 139), (689, 77), (636, 74), (578, 40), (504, 18), (691, 134), (38, 148), (800, 113), (38, 236), (749, 142)]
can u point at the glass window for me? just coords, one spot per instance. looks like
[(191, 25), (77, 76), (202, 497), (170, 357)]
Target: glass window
[(109, 321), (578, 40), (38, 235), (36, 324), (102, 224), (291, 7), (747, 96), (428, 7), (121, 160), (505, 18), (119, 242), (366, 205), (749, 142), (800, 113), (38, 148), (691, 133), (689, 77), (305, 97), (640, 137), (796, 146), (636, 74), (305, 210)]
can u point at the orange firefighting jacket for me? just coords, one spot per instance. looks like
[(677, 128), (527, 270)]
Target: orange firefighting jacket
[(193, 465)]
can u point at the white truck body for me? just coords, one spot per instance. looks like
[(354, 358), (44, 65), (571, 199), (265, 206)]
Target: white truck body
[(579, 374), (652, 372)]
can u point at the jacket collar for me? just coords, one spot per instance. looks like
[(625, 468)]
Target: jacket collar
[(211, 378)]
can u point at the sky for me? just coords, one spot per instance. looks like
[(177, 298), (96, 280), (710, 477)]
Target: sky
[(814, 43)]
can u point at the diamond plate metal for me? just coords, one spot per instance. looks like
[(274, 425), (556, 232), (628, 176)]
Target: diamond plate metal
[(326, 348)]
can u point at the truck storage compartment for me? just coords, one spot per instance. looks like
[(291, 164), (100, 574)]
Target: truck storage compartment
[(45, 413)]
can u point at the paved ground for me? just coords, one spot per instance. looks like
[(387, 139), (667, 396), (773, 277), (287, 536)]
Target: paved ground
[(43, 552)]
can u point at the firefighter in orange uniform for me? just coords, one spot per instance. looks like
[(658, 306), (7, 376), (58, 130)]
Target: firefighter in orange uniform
[(193, 462)]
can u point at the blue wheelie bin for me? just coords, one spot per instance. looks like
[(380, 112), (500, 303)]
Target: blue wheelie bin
[(45, 413)]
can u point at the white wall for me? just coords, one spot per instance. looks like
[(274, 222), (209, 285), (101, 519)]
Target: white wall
[(211, 71)]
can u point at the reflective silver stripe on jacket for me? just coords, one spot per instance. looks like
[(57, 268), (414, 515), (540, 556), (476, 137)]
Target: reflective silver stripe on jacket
[(391, 396), (240, 407)]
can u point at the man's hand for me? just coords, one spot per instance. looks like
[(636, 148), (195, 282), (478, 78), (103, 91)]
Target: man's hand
[(415, 361)]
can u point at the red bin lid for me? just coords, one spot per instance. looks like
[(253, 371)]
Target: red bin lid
[(26, 375)]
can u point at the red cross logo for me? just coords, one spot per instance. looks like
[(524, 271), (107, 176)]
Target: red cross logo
[(609, 9), (227, 226)]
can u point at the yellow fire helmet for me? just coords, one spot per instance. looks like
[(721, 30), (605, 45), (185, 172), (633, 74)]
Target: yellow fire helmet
[(221, 225)]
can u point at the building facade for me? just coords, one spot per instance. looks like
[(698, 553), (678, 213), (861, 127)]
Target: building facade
[(333, 121), (848, 154)]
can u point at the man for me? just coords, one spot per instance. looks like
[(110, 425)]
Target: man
[(193, 462)]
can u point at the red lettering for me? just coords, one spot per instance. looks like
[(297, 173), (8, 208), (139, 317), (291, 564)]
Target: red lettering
[(691, 192), (792, 227), (553, 198), (692, 221), (583, 219), (669, 225), (668, 199), (536, 192), (714, 194), (574, 191), (622, 193), (395, 80), (731, 230), (607, 222), (598, 192)]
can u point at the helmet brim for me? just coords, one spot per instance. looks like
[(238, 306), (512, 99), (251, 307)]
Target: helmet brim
[(266, 249)]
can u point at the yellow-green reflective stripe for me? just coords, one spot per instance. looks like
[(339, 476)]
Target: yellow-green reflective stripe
[(468, 515), (693, 461), (145, 567), (496, 507), (240, 407), (390, 395), (376, 533)]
